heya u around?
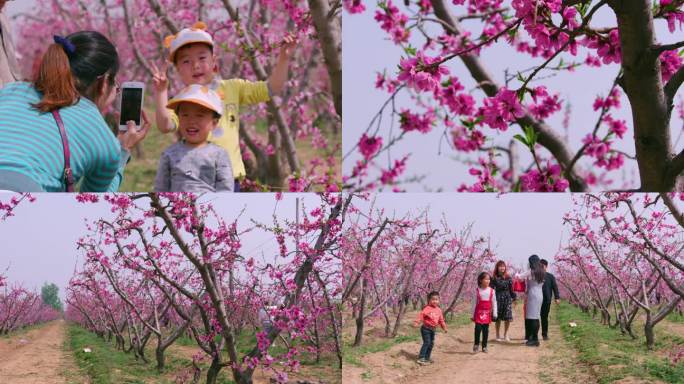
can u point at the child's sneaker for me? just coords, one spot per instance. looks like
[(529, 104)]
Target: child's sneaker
[(484, 349), (475, 348), (499, 339), (508, 339), (422, 361), (430, 361)]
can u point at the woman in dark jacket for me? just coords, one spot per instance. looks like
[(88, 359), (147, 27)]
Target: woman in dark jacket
[(503, 285)]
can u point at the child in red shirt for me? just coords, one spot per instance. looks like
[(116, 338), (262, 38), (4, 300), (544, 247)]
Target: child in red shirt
[(430, 317)]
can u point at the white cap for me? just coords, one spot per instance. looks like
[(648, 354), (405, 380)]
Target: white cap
[(195, 34), (198, 94)]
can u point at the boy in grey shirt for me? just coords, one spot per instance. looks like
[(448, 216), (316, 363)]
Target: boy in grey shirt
[(194, 164)]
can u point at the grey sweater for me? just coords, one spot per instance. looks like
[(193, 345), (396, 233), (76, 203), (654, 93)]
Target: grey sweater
[(197, 170)]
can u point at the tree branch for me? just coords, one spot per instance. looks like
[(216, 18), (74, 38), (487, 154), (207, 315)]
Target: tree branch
[(672, 87), (547, 137)]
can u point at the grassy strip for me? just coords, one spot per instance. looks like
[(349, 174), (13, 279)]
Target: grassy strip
[(613, 356), (105, 364), (354, 355), (676, 318)]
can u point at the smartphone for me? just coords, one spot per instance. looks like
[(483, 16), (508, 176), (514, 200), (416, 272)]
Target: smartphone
[(131, 104)]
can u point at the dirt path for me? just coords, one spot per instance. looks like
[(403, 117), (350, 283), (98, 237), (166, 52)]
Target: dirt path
[(36, 357), (454, 360)]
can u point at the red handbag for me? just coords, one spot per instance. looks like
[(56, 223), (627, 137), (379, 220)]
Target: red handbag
[(518, 285)]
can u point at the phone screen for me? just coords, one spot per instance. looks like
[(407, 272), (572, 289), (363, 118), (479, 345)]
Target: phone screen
[(131, 100)]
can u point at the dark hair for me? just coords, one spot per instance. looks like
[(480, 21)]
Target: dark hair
[(546, 263), (481, 277), (496, 269), (175, 54), (63, 77), (431, 295), (537, 269)]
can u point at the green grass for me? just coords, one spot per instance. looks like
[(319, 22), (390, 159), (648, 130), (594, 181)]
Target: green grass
[(354, 355), (613, 356), (140, 173), (676, 317), (106, 365)]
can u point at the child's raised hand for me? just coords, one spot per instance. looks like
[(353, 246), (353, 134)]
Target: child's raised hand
[(287, 46), (161, 82)]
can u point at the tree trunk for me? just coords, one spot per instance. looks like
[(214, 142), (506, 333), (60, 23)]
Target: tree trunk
[(648, 331), (643, 85), (359, 319), (330, 37), (397, 322), (213, 372), (159, 355)]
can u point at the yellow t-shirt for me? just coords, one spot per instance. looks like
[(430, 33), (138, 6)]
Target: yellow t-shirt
[(234, 93)]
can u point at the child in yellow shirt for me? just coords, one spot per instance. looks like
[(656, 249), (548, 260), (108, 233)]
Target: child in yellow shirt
[(192, 53)]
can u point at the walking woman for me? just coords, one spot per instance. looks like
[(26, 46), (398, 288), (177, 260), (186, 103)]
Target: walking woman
[(534, 299), (503, 285), (52, 133)]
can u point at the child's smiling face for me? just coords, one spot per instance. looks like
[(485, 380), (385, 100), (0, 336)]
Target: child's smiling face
[(195, 123), (195, 64)]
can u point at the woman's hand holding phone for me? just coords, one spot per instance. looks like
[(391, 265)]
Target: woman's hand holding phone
[(133, 136)]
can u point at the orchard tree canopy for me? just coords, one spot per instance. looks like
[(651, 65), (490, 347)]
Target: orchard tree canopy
[(502, 131)]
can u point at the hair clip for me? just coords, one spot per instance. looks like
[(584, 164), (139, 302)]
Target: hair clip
[(66, 44)]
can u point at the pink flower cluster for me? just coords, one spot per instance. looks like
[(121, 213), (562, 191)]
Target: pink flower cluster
[(670, 62), (382, 81), (466, 140), (612, 101), (415, 122), (673, 15), (486, 181), (549, 179), (389, 176), (502, 109), (458, 103), (601, 150), (546, 105), (608, 49), (392, 21), (421, 72), (369, 146), (354, 6)]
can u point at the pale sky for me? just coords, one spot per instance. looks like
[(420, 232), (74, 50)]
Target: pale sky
[(519, 224), (367, 51)]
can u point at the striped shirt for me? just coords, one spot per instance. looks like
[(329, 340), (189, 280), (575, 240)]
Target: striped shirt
[(30, 143)]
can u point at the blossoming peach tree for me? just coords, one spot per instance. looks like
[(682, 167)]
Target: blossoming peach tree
[(19, 307), (248, 35), (624, 259), (168, 265), (487, 126), (391, 263)]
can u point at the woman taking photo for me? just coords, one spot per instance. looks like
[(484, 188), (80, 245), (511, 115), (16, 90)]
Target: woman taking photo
[(52, 131), (533, 301)]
